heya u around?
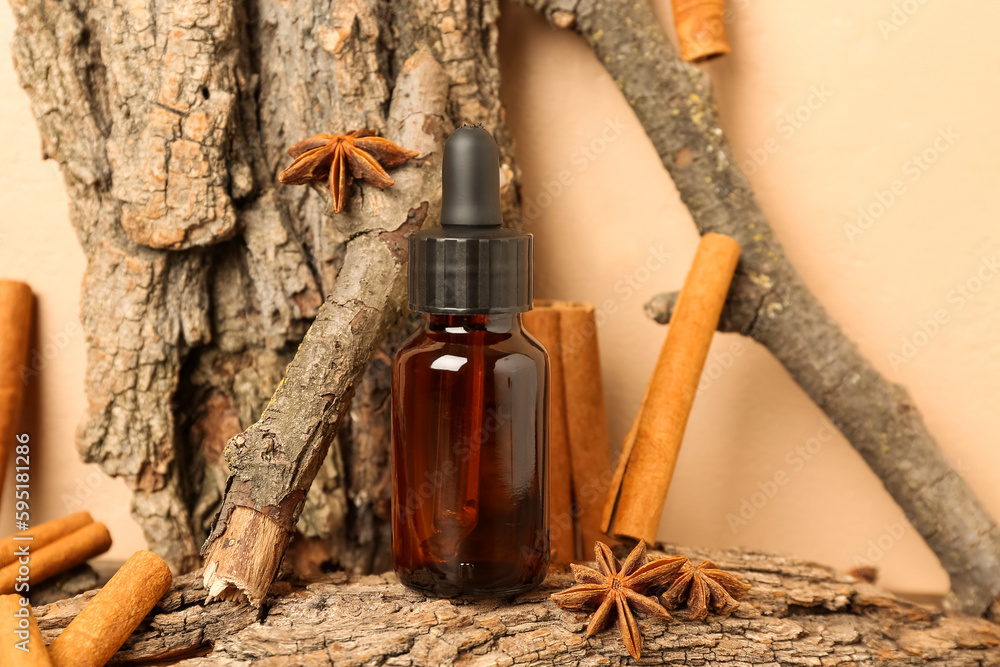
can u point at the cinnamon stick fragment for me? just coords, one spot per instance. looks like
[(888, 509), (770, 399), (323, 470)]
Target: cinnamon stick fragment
[(16, 305), (701, 29), (578, 420), (649, 453), (98, 631), (42, 535), (21, 642), (543, 323), (66, 552)]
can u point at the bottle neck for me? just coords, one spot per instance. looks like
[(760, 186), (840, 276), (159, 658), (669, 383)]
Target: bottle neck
[(457, 324)]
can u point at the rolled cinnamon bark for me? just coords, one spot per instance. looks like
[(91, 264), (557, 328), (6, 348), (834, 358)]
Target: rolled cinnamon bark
[(66, 552), (649, 454), (21, 643), (97, 632), (543, 324), (41, 535), (701, 29), (16, 306), (569, 331)]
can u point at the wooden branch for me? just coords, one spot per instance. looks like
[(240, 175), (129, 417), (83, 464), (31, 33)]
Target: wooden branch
[(739, 315), (796, 613), (274, 462), (169, 122), (674, 103), (169, 131)]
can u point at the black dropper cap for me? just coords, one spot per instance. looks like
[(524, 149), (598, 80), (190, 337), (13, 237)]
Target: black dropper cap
[(471, 265)]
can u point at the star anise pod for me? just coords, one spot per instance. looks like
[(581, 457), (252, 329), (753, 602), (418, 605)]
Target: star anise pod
[(704, 586), (616, 589), (340, 158)]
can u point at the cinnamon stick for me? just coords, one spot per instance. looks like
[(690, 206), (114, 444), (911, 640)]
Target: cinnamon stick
[(21, 642), (543, 324), (16, 306), (569, 331), (66, 552), (97, 632), (41, 535), (701, 29), (649, 453)]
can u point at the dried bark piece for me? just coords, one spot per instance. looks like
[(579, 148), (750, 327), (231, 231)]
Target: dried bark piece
[(832, 619)]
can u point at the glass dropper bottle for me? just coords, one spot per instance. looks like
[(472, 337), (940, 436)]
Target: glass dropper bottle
[(470, 397)]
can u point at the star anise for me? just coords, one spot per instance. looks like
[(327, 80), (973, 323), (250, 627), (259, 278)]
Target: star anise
[(340, 158), (616, 589), (704, 586)]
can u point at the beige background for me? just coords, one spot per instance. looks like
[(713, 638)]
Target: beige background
[(870, 97)]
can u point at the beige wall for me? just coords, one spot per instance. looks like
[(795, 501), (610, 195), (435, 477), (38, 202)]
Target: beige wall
[(878, 100), (38, 246)]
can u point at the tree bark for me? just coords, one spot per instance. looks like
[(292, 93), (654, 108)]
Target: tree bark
[(770, 303), (796, 613), (170, 120), (275, 461)]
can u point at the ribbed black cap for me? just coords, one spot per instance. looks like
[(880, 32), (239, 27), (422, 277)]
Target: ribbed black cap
[(470, 265)]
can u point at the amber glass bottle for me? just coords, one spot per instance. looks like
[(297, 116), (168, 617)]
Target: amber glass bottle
[(470, 398)]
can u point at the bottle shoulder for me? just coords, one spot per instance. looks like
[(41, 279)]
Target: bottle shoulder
[(425, 346), (536, 344)]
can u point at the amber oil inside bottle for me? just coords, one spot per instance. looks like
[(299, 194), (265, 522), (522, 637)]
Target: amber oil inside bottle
[(470, 469)]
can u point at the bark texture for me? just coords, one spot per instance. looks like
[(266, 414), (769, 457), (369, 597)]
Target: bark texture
[(797, 613), (770, 303), (170, 120), (275, 461)]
